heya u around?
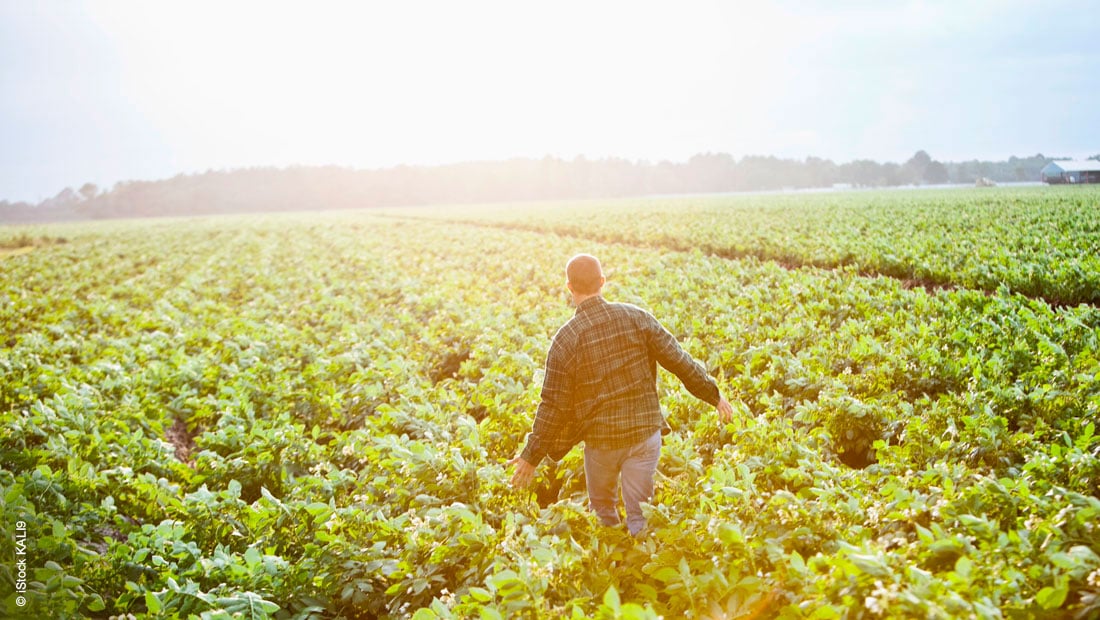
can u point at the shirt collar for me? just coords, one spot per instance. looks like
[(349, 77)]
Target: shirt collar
[(590, 303)]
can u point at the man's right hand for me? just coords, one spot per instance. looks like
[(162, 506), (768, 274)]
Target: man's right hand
[(725, 409), (525, 472)]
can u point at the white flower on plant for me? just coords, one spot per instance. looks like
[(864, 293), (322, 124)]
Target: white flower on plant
[(874, 606), (874, 514), (1032, 522), (1094, 578), (447, 597), (879, 600)]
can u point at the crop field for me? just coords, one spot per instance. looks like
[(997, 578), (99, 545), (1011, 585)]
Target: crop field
[(308, 415), (1039, 241)]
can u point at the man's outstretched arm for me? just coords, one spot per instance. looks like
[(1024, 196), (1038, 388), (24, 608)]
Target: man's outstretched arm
[(672, 357)]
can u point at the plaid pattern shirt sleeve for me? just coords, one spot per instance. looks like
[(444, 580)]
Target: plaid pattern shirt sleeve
[(672, 357), (554, 415), (600, 382)]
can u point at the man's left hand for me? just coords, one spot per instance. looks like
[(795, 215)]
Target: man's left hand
[(725, 410), (525, 472)]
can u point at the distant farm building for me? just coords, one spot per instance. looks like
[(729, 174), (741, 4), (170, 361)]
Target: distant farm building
[(1071, 172)]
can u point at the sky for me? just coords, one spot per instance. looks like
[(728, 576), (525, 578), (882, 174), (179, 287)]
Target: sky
[(112, 90)]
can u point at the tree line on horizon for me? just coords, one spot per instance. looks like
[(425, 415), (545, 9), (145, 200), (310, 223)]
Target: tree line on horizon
[(300, 188)]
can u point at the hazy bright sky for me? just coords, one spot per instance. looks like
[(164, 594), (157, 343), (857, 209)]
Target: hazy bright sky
[(112, 90)]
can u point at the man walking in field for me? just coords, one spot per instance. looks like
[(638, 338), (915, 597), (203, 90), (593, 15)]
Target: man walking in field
[(601, 388)]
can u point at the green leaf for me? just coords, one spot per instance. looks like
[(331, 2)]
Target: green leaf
[(1085, 438), (480, 594), (825, 612), (1078, 557), (647, 591), (730, 534), (319, 511), (963, 566), (153, 603), (924, 534), (870, 564), (505, 581), (796, 562), (634, 611), (489, 613), (1052, 598), (666, 574), (14, 495), (611, 598)]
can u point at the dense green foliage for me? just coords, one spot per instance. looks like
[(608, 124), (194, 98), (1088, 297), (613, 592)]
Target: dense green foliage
[(1038, 241), (341, 392)]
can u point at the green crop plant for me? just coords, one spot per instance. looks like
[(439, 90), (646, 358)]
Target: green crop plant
[(308, 415)]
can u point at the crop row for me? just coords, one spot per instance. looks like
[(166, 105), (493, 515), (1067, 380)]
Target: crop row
[(352, 385), (1042, 242)]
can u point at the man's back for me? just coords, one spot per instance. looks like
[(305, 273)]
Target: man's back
[(601, 376), (600, 388), (606, 348)]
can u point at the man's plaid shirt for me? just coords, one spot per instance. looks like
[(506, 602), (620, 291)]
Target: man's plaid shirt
[(601, 380)]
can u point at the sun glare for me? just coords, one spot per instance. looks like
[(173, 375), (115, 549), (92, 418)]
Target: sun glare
[(430, 83)]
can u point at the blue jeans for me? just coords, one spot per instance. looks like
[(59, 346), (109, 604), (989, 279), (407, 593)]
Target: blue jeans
[(636, 465)]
